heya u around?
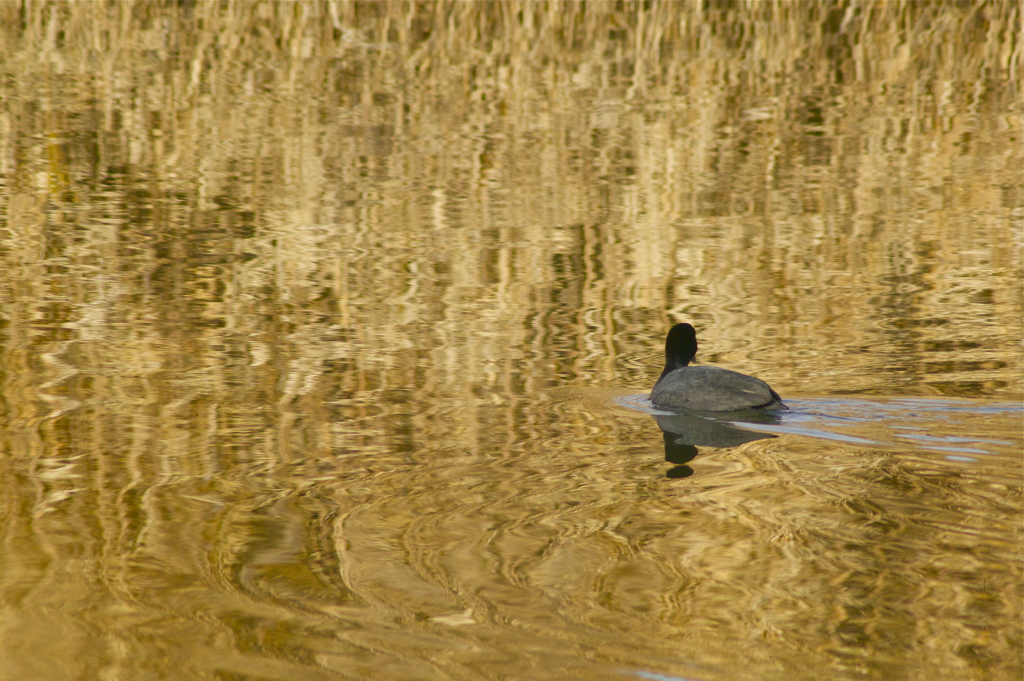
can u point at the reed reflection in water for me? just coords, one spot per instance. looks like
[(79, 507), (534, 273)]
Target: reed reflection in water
[(319, 320)]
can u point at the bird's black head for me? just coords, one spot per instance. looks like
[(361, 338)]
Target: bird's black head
[(680, 347)]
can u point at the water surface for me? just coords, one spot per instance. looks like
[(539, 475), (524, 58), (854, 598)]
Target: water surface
[(326, 331)]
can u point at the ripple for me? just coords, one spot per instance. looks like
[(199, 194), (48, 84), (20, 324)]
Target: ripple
[(822, 418)]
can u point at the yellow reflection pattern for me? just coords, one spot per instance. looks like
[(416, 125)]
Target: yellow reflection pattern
[(312, 314)]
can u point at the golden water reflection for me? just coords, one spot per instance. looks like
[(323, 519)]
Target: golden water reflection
[(322, 323)]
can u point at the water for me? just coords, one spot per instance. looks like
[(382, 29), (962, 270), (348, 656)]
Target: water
[(326, 331)]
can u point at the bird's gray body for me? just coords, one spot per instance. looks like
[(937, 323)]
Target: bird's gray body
[(706, 388)]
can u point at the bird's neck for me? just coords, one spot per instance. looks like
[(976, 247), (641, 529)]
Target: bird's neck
[(673, 364)]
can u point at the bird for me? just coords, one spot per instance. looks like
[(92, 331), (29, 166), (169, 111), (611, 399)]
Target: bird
[(704, 388)]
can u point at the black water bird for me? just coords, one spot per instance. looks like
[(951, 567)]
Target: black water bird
[(687, 388)]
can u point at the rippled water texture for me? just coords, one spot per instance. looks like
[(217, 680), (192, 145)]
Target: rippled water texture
[(326, 333)]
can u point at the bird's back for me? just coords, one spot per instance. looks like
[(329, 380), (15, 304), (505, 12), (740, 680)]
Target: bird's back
[(712, 389)]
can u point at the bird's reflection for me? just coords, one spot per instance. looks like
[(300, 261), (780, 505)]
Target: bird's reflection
[(684, 432)]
